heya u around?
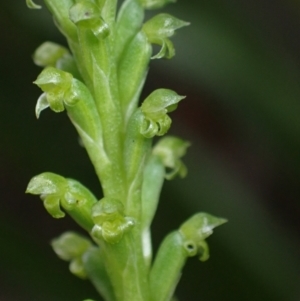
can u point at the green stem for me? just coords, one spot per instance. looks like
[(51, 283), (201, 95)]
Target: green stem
[(126, 269)]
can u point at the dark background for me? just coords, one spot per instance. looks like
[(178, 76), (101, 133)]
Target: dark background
[(239, 65)]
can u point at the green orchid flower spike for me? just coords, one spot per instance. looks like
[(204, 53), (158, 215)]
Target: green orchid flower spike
[(97, 80)]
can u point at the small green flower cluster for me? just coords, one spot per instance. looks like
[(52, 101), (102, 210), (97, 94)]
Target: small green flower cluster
[(98, 82)]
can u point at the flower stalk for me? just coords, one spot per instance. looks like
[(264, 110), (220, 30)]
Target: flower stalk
[(98, 82)]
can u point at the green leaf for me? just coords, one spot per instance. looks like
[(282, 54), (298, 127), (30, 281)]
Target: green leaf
[(155, 108), (132, 71), (166, 270), (129, 22), (153, 178)]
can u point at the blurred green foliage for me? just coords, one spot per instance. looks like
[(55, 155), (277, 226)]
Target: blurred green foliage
[(239, 65)]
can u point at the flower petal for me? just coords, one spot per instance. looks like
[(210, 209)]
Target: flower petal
[(41, 105), (30, 4)]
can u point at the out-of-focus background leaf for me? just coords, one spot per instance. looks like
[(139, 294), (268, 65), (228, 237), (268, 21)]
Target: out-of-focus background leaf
[(239, 65)]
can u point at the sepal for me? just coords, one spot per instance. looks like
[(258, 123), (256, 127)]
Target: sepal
[(30, 4), (158, 29), (41, 105), (47, 183), (110, 221), (194, 232), (154, 4), (155, 108), (70, 247), (170, 150), (88, 15)]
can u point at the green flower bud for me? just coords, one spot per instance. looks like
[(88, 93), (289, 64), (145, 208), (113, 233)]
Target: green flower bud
[(57, 191), (54, 55), (70, 247), (170, 149), (57, 86), (32, 5), (88, 15), (159, 29), (155, 108), (62, 89), (110, 222), (50, 187), (195, 230), (154, 4), (49, 53)]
